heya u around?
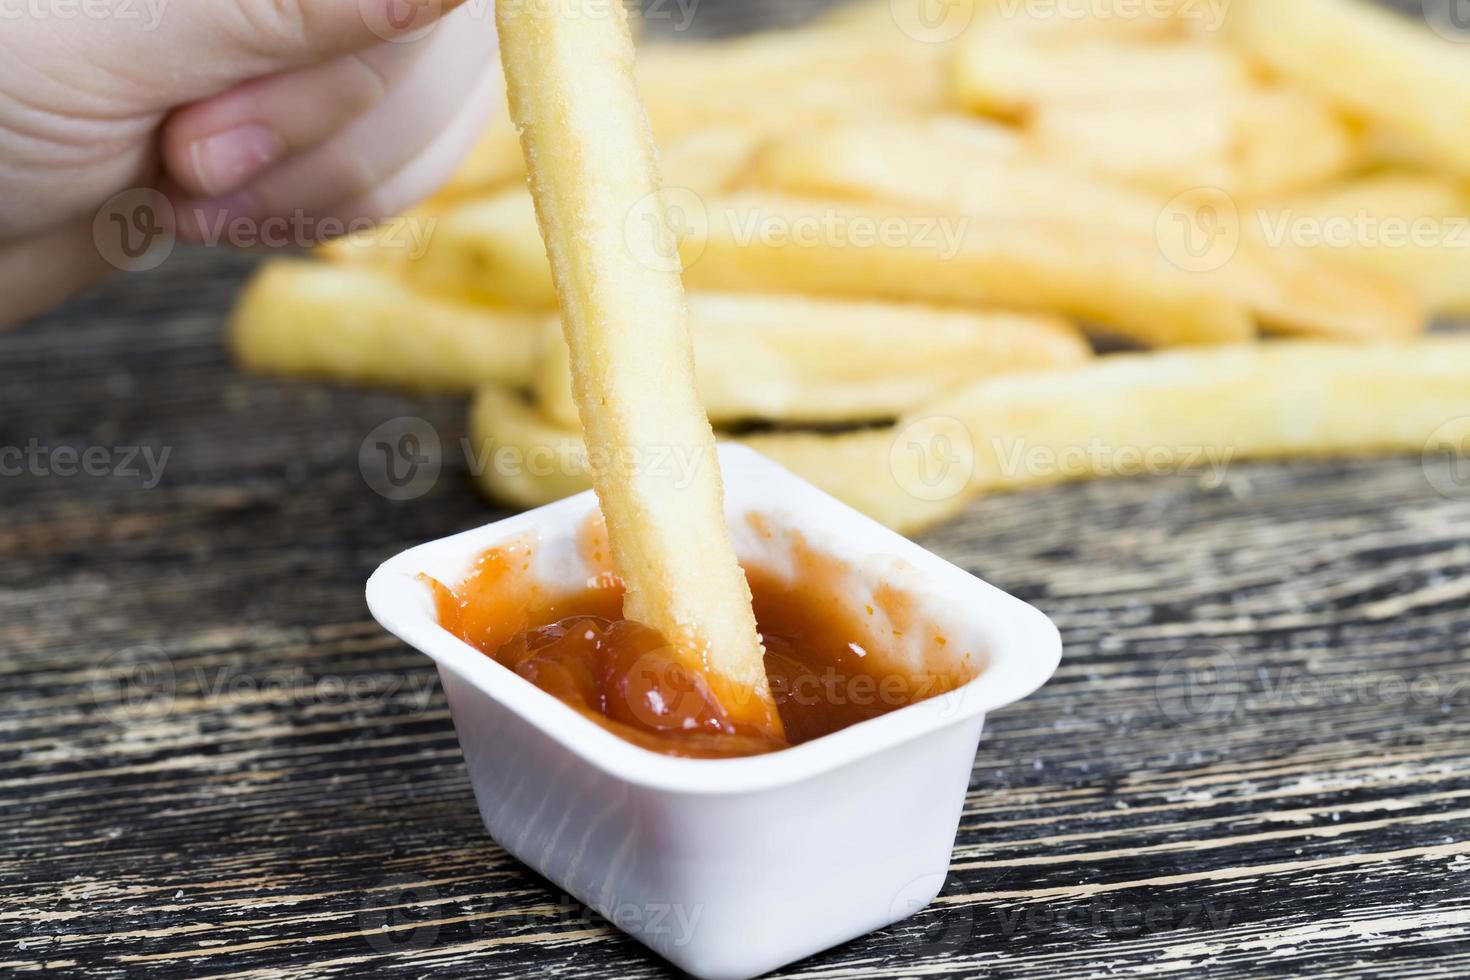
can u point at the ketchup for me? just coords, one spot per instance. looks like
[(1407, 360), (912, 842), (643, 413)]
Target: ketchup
[(574, 645)]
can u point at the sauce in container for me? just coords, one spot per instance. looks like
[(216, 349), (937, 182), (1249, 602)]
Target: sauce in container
[(823, 659)]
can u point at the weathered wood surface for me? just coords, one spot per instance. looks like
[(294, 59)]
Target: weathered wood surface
[(1254, 762)]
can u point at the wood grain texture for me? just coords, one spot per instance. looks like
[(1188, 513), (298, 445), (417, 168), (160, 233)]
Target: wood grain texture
[(1254, 761)]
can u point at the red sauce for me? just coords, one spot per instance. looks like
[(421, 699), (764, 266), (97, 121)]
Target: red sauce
[(825, 663)]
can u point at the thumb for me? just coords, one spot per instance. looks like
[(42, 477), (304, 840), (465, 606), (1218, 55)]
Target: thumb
[(191, 49)]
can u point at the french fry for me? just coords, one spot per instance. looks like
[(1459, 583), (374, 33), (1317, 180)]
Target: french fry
[(754, 242), (522, 459), (1392, 70), (1412, 227), (591, 158), (766, 243), (1260, 139), (703, 161), (795, 76), (801, 359), (1167, 115), (1120, 20), (942, 165), (1281, 399), (1013, 74), (1165, 147), (489, 250), (518, 456), (1286, 139), (710, 159), (1125, 414), (350, 323), (494, 161), (789, 79), (922, 166), (392, 243), (758, 357)]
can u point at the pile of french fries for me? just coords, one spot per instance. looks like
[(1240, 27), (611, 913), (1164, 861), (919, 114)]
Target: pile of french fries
[(905, 241)]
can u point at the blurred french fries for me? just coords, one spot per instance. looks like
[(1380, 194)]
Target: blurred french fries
[(927, 165), (902, 220), (355, 323), (766, 358), (1411, 227), (1392, 70), (1014, 73), (1125, 414), (771, 357), (763, 242), (864, 248), (519, 457)]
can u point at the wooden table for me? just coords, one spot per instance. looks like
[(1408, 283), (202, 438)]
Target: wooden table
[(1254, 761)]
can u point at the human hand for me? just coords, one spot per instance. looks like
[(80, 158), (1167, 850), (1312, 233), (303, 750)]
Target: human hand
[(325, 113)]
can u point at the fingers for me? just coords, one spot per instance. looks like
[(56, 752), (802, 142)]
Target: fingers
[(216, 146), (41, 272), (207, 46), (398, 151), (380, 141), (428, 171)]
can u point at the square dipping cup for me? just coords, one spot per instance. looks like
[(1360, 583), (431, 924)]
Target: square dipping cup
[(730, 868)]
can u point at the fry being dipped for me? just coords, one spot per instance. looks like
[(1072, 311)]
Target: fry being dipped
[(590, 153)]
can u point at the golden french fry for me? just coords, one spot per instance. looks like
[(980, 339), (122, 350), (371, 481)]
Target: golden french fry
[(791, 76), (1287, 139), (350, 323), (1412, 227), (1392, 70), (765, 242), (1164, 114), (395, 242), (522, 459), (1123, 20), (794, 358), (758, 357), (922, 166), (591, 158), (859, 248), (488, 250), (1120, 415), (495, 160), (943, 165), (787, 79), (1253, 140), (1299, 294), (1165, 147), (1141, 413), (704, 160), (709, 159), (1013, 73)]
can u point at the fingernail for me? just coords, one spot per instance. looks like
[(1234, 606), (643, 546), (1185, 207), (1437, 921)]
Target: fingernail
[(226, 160), (212, 221)]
